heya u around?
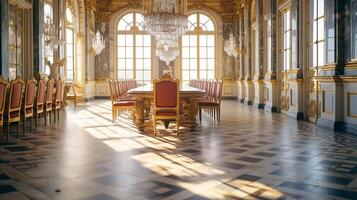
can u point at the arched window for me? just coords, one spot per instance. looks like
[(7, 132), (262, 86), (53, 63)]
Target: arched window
[(198, 49), (133, 49), (70, 50)]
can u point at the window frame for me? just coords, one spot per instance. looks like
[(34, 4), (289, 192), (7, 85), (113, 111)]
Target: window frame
[(70, 25), (318, 41), (198, 32), (135, 32)]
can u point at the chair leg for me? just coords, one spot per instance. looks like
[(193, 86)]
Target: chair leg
[(113, 115), (36, 120), (45, 116), (54, 116), (219, 114), (24, 126), (154, 127), (177, 126), (18, 127), (58, 114), (30, 124), (8, 130), (200, 113), (50, 116)]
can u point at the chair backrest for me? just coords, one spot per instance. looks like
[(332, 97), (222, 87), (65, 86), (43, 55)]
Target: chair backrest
[(59, 91), (3, 87), (41, 91), (218, 94), (15, 95), (166, 94), (49, 91), (30, 93)]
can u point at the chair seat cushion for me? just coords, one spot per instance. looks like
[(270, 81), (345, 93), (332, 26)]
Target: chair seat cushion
[(123, 103), (166, 113), (208, 103)]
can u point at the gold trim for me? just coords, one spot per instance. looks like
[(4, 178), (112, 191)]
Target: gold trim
[(328, 67), (349, 94), (349, 78), (327, 79)]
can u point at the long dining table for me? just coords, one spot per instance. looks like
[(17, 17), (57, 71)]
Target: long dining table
[(188, 105)]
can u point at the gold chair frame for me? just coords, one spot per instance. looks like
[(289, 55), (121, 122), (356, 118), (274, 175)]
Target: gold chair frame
[(176, 108)]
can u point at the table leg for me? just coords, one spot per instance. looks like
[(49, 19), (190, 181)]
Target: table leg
[(190, 112), (139, 113)]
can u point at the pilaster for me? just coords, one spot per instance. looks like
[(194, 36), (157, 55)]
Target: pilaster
[(4, 69), (38, 37)]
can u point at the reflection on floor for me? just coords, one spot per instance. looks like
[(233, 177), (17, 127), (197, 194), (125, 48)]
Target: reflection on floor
[(250, 154)]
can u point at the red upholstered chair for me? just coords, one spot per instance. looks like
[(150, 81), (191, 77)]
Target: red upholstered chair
[(39, 106), (57, 101), (14, 107), (27, 109), (166, 101), (213, 104), (3, 88), (49, 99), (117, 104)]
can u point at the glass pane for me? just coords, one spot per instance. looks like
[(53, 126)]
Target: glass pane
[(147, 52), (185, 64), (129, 52), (209, 26), (314, 8), (193, 64), (129, 39), (193, 74), (69, 35), (139, 75), (203, 40), (121, 64), (69, 15), (129, 64), (185, 52), (321, 46), (203, 52), (147, 75), (314, 31), (147, 64), (211, 40), (139, 64), (185, 75), (121, 40), (129, 74), (122, 25), (147, 40), (193, 40), (121, 74), (139, 52), (211, 63), (193, 52), (210, 75), (139, 19), (69, 50), (121, 52), (192, 19), (321, 29), (288, 20), (203, 64), (321, 7), (210, 52), (185, 40), (139, 40), (314, 57), (203, 74)]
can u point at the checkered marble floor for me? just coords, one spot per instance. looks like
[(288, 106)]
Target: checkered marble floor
[(251, 154)]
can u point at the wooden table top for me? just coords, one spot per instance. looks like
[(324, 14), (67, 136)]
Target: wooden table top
[(148, 89)]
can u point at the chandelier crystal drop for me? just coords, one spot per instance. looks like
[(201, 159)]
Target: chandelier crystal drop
[(230, 46), (98, 43), (50, 34), (166, 20)]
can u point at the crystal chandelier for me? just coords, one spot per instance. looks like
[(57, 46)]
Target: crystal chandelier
[(230, 46), (166, 20), (51, 41), (98, 43)]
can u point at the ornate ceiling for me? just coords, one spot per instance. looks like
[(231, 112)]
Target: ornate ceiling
[(226, 8)]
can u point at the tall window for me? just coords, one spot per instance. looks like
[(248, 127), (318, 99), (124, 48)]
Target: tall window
[(318, 32), (69, 45), (354, 28), (286, 40), (48, 14), (133, 49), (16, 46), (198, 49)]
